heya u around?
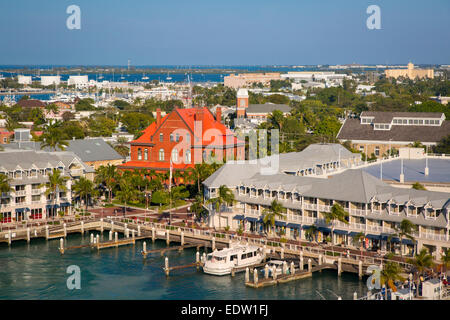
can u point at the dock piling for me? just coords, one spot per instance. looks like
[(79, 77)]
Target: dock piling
[(266, 271), (97, 241), (166, 266), (360, 270), (167, 237), (292, 268), (213, 243), (116, 238), (339, 266), (301, 261), (61, 245), (28, 235), (355, 296), (320, 259), (144, 247), (284, 267), (309, 265), (255, 276), (153, 234), (101, 225), (110, 235), (46, 232), (247, 275), (82, 227), (204, 257), (9, 237), (65, 230), (274, 273), (139, 231), (92, 238), (182, 238), (197, 259), (282, 253), (112, 226)]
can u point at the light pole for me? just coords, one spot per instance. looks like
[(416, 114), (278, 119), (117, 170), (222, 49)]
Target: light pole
[(410, 283)]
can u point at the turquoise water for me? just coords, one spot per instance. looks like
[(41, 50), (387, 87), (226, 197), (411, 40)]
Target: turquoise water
[(38, 271)]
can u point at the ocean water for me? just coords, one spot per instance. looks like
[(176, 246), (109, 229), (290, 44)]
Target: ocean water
[(38, 271)]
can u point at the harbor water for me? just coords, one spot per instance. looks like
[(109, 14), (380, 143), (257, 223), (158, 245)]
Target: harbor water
[(38, 271)]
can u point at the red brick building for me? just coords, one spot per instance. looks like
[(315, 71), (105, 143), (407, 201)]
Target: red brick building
[(188, 136)]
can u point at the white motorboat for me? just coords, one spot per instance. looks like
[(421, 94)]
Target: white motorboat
[(220, 262), (278, 264)]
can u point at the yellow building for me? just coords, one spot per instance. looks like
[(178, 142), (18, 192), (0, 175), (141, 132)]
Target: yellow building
[(410, 73)]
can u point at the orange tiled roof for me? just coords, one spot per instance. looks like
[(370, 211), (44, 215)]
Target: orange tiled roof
[(188, 115)]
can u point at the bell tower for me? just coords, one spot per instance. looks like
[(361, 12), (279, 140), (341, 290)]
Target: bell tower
[(241, 103)]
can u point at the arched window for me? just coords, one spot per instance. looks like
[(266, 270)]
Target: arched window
[(188, 137), (161, 154), (171, 137), (139, 154), (177, 137), (161, 137), (175, 155), (145, 154), (188, 156)]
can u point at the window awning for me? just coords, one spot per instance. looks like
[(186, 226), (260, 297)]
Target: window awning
[(251, 219), (293, 225), (65, 204), (374, 236), (280, 223), (408, 241), (340, 231), (353, 233), (393, 240), (306, 227), (49, 206), (239, 217), (20, 210), (323, 229)]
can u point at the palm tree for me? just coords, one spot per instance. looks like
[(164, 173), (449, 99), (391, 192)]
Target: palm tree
[(311, 232), (121, 146), (56, 182), (407, 228), (421, 261), (224, 196), (107, 175), (275, 210), (445, 257), (359, 238), (199, 173), (391, 272), (5, 187), (52, 137), (336, 213), (84, 188), (127, 191), (197, 207)]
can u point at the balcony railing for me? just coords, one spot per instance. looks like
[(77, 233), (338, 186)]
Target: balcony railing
[(433, 236), (310, 206), (357, 212), (310, 220), (374, 228), (325, 208), (252, 212), (36, 191), (20, 193), (294, 218)]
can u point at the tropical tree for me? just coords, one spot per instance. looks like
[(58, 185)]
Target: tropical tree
[(311, 233), (224, 196), (84, 188), (127, 192), (418, 186), (56, 183), (445, 257), (390, 274), (198, 209), (107, 175), (53, 138), (5, 186), (336, 213), (121, 146), (359, 239), (406, 230), (275, 210), (421, 262), (199, 173)]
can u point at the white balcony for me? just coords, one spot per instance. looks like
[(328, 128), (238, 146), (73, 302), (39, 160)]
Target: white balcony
[(310, 220), (357, 212), (36, 191), (357, 226), (324, 208), (374, 228), (310, 206), (294, 218), (20, 193), (433, 236), (252, 212)]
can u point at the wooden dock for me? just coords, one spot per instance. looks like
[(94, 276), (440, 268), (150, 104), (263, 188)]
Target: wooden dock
[(284, 278), (164, 250)]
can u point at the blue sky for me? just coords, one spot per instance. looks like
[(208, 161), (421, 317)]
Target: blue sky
[(231, 32)]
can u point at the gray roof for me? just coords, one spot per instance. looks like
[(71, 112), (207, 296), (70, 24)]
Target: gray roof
[(267, 108), (11, 160), (386, 117), (86, 149), (352, 129)]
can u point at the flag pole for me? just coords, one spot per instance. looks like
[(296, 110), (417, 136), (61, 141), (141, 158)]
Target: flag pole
[(170, 193)]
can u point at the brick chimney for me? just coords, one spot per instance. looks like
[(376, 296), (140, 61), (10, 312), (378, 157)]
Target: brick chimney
[(199, 114), (158, 117), (219, 114)]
